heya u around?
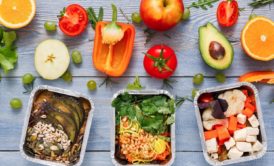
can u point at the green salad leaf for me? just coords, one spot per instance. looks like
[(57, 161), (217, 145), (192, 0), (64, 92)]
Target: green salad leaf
[(154, 112), (8, 55)]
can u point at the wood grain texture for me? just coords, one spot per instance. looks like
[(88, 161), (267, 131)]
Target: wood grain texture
[(185, 42), (103, 159), (184, 39)]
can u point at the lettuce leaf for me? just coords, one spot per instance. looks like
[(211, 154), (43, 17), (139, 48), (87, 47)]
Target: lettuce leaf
[(8, 54), (154, 113)]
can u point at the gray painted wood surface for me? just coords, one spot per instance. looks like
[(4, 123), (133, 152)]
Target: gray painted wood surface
[(184, 39)]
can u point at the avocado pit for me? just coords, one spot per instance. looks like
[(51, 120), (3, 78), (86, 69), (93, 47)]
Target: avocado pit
[(216, 50)]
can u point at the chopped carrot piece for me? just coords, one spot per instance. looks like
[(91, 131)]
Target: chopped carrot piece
[(248, 112), (250, 106), (241, 126), (216, 126), (210, 134), (223, 133), (232, 124)]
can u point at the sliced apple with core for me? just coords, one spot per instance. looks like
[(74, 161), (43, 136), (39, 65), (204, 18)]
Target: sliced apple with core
[(51, 59)]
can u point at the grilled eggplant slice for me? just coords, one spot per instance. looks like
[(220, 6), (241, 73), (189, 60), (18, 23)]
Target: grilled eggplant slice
[(63, 107), (66, 122), (74, 104), (44, 96)]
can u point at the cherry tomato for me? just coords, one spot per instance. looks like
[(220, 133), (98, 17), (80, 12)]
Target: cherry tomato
[(228, 13), (73, 20), (206, 98), (160, 61)]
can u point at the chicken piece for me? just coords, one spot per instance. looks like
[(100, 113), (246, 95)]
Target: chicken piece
[(241, 118), (234, 153), (240, 135), (257, 146), (244, 146), (252, 131), (230, 143), (251, 138), (212, 146), (254, 121)]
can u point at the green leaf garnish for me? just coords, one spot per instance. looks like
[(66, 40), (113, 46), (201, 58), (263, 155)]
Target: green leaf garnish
[(154, 113), (136, 85), (260, 3), (203, 4), (8, 54)]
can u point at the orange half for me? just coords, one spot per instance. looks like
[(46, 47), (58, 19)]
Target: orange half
[(16, 14), (258, 38)]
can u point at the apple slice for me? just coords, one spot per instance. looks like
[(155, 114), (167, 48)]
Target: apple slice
[(51, 59)]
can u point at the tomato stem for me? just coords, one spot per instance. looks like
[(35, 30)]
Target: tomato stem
[(160, 62)]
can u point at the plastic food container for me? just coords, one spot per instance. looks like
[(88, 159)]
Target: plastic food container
[(262, 137), (113, 126), (33, 95)]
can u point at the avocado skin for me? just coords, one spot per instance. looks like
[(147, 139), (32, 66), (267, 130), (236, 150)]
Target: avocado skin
[(215, 35)]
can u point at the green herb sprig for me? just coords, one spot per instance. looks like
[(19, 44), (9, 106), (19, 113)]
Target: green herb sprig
[(125, 16), (93, 18), (203, 4), (260, 3), (136, 85)]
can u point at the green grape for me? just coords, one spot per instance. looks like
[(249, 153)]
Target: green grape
[(16, 103), (198, 79), (50, 26), (76, 57), (194, 92), (136, 18), (92, 85), (67, 76), (27, 79), (186, 14), (220, 77)]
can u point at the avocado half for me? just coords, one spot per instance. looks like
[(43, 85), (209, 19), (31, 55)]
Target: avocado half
[(215, 49)]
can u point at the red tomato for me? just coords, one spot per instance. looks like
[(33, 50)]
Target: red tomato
[(160, 61), (206, 98), (73, 20), (228, 13)]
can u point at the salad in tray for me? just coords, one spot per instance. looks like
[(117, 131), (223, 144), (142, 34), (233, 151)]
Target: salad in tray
[(143, 128), (231, 124)]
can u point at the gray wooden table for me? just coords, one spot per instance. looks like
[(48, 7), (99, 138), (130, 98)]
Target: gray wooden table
[(184, 40)]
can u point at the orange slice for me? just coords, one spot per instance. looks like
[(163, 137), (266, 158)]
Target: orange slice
[(258, 38), (16, 14)]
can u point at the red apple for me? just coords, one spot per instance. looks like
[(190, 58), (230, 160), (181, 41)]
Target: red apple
[(161, 15)]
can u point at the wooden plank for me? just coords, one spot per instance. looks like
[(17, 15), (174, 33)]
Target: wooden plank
[(103, 158), (186, 127), (185, 42)]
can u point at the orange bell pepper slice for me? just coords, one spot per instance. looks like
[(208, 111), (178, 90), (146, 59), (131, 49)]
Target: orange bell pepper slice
[(258, 76), (117, 62)]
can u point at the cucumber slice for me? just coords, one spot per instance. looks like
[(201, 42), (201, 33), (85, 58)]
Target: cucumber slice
[(51, 59)]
